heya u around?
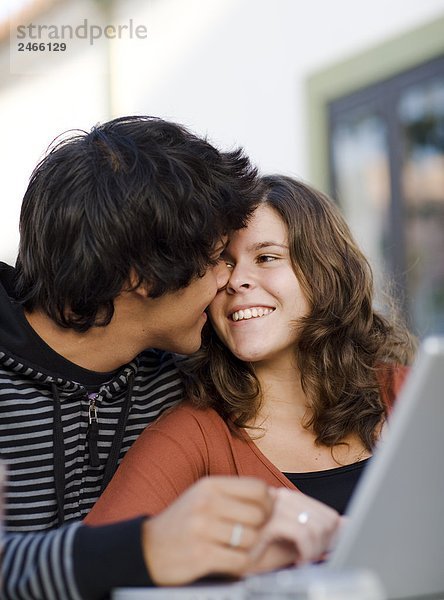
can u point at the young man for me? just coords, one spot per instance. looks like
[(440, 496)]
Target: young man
[(121, 232)]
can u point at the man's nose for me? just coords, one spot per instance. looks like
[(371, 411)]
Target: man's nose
[(222, 274)]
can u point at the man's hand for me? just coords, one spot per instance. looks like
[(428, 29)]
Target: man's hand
[(210, 529)]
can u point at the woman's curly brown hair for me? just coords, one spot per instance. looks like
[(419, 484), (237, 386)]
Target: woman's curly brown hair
[(345, 348)]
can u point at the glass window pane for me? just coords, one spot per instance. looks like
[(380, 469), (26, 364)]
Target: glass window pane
[(362, 184), (421, 114)]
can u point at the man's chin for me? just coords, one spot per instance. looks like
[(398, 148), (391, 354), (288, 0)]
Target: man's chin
[(192, 349), (188, 347)]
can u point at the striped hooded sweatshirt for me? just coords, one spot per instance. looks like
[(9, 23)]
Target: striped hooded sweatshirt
[(63, 431)]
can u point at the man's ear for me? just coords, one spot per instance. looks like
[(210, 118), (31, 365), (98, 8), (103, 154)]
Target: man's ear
[(143, 289)]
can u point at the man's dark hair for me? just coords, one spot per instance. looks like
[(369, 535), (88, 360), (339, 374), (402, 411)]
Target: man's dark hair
[(136, 197)]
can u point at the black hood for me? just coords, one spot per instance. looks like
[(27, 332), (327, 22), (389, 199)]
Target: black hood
[(14, 328), (18, 339)]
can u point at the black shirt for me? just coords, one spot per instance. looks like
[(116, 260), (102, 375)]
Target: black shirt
[(333, 486)]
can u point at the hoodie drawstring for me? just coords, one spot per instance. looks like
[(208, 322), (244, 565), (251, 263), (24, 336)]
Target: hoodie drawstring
[(59, 456), (113, 458)]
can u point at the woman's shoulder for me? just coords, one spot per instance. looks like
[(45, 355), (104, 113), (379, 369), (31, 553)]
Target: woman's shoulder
[(186, 413), (391, 378)]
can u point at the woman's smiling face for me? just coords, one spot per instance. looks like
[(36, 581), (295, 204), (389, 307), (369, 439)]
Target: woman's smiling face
[(256, 314)]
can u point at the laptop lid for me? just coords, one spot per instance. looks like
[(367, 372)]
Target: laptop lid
[(396, 526)]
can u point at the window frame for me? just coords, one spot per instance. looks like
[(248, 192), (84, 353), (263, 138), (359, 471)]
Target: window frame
[(377, 64), (377, 78)]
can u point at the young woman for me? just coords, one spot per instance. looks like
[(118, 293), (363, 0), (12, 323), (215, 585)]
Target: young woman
[(295, 378)]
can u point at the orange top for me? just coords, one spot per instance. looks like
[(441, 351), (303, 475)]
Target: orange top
[(183, 445)]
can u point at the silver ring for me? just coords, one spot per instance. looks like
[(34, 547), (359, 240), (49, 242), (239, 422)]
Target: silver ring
[(303, 517), (236, 535)]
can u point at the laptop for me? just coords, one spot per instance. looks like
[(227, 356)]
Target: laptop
[(395, 530)]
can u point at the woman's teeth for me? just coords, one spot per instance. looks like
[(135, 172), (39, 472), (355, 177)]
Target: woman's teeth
[(251, 313)]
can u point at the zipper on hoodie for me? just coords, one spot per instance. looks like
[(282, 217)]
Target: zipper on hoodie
[(93, 431)]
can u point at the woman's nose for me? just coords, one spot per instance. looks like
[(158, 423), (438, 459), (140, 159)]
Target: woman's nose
[(240, 279)]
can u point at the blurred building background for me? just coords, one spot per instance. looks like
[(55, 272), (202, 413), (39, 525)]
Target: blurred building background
[(344, 94)]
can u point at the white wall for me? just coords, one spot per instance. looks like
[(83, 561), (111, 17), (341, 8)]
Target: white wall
[(242, 76), (232, 69), (36, 108)]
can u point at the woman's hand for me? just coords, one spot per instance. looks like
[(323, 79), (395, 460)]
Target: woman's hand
[(300, 530)]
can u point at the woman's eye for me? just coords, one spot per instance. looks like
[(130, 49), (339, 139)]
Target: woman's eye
[(226, 260), (216, 259), (265, 258)]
